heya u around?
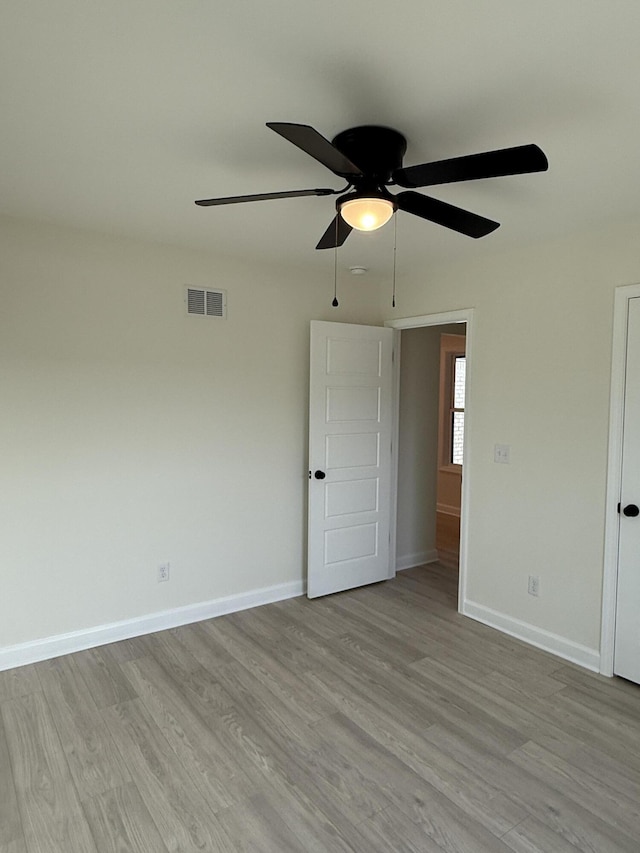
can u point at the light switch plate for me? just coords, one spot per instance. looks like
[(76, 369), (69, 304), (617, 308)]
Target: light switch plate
[(501, 453)]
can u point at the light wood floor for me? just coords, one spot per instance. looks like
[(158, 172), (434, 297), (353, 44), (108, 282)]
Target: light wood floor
[(373, 720)]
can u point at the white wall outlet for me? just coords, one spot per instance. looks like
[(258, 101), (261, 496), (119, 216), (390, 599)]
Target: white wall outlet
[(501, 453), (163, 572), (534, 585)]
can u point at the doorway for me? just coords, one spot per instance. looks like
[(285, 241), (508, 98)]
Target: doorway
[(430, 445), (416, 459)]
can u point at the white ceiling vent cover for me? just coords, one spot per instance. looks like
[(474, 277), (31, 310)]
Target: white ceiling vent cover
[(206, 303)]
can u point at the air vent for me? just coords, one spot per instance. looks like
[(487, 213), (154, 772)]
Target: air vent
[(206, 303)]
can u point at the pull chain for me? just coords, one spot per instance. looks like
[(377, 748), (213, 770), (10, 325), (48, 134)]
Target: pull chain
[(395, 244), (335, 267)]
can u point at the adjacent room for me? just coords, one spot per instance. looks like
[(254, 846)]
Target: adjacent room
[(317, 535)]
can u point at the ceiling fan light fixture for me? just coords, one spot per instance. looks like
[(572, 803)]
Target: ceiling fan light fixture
[(366, 212)]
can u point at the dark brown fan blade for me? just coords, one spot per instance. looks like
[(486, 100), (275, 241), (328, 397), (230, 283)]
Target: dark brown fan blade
[(235, 199), (336, 234), (491, 164), (446, 214), (314, 144)]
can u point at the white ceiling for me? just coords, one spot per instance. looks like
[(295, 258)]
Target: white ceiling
[(117, 115)]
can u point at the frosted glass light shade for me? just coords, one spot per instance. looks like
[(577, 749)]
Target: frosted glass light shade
[(367, 214)]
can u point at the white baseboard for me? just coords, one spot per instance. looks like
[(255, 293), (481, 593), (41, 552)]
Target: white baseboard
[(63, 644), (410, 561), (541, 639)]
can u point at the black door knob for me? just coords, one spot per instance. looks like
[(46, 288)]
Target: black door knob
[(319, 475), (631, 511)]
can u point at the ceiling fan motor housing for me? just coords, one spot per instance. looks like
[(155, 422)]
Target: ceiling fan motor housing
[(377, 151)]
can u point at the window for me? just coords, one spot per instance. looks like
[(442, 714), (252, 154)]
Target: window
[(452, 392), (457, 409)]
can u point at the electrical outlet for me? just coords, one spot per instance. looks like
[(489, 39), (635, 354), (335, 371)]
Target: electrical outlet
[(163, 572), (534, 585)]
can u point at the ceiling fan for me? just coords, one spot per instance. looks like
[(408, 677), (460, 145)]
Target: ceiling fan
[(369, 158)]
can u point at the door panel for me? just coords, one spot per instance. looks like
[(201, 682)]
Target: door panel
[(351, 497), (353, 404), (350, 418), (351, 543), (627, 639), (353, 450)]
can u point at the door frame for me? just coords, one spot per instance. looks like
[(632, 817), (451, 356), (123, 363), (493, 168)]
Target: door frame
[(463, 315), (622, 295)]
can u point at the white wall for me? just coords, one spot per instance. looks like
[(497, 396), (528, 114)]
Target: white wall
[(133, 434), (418, 442), (540, 383)]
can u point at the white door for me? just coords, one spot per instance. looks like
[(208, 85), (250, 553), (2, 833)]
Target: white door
[(627, 640), (350, 418)]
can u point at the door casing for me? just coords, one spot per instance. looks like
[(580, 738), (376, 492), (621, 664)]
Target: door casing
[(464, 315), (614, 474)]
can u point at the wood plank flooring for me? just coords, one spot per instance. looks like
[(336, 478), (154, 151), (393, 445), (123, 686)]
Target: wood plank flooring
[(372, 720)]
